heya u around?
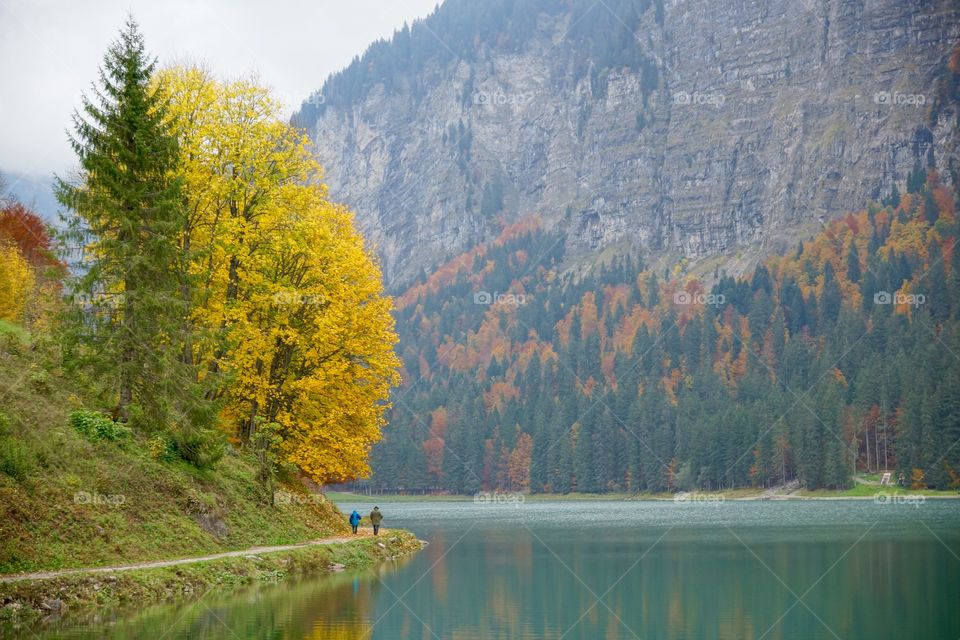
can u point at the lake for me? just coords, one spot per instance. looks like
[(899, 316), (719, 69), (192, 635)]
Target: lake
[(699, 569)]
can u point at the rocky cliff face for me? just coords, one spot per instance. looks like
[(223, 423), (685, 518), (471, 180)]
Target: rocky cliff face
[(747, 122)]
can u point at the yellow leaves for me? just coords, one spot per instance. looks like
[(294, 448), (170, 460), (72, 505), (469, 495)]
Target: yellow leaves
[(16, 283), (289, 297)]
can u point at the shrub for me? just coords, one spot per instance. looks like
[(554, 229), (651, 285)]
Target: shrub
[(40, 380), (14, 458), (162, 448), (203, 449), (93, 425)]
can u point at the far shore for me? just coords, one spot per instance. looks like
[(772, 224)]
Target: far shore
[(859, 492)]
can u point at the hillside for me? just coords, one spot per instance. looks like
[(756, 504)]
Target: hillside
[(690, 129), (838, 356), (69, 500)]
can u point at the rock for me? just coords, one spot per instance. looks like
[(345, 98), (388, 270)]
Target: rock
[(764, 116), (381, 545), (212, 524), (394, 539), (52, 604)]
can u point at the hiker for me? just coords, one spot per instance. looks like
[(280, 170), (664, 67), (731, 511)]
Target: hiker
[(375, 518), (354, 520)]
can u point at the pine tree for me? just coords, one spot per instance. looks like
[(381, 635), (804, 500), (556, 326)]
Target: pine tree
[(127, 209), (853, 264)]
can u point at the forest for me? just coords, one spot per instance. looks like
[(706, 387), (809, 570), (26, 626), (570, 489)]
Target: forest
[(839, 357)]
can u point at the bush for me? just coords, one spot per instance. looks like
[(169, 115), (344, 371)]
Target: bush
[(202, 448), (162, 448), (93, 425), (14, 458), (40, 381)]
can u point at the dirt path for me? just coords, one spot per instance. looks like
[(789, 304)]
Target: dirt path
[(40, 575)]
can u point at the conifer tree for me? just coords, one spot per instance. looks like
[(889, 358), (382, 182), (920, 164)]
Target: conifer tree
[(127, 212)]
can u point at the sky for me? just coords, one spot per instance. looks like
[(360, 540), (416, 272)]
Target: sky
[(50, 51)]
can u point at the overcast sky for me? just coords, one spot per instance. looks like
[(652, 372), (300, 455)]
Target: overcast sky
[(50, 51)]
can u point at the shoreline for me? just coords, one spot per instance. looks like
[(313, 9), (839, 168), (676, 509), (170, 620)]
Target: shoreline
[(733, 496), (58, 596)]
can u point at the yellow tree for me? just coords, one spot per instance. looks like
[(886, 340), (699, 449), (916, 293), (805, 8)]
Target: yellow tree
[(288, 303), (16, 283)]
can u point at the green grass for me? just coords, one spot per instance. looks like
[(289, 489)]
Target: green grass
[(67, 502), (15, 331), (873, 490), (86, 595)]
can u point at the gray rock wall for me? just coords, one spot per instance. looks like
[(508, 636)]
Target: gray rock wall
[(767, 117)]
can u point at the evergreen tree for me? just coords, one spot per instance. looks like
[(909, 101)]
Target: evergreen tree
[(127, 210)]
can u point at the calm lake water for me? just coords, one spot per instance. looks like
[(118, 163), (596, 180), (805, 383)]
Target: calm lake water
[(605, 570)]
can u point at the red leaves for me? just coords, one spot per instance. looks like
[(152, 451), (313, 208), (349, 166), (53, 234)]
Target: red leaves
[(26, 230)]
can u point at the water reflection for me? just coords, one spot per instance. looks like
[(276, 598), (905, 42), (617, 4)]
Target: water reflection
[(517, 578)]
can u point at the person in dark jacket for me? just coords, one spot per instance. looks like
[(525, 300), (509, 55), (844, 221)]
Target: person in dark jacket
[(375, 519), (354, 520)]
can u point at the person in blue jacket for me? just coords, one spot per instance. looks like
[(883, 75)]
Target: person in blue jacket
[(354, 520)]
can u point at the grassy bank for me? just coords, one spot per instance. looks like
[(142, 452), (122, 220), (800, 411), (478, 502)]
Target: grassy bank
[(70, 500), (75, 597)]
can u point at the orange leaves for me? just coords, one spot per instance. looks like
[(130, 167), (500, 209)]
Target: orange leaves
[(24, 228), (589, 316), (434, 445), (444, 276), (625, 333), (954, 63), (499, 394), (519, 463), (944, 203), (838, 376), (606, 366), (588, 386), (438, 422), (670, 383), (615, 297), (518, 229)]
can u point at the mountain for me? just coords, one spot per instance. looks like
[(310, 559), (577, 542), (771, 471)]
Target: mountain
[(709, 132), (839, 356), (35, 192)]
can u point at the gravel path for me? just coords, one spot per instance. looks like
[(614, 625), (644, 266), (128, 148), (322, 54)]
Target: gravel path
[(41, 575)]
